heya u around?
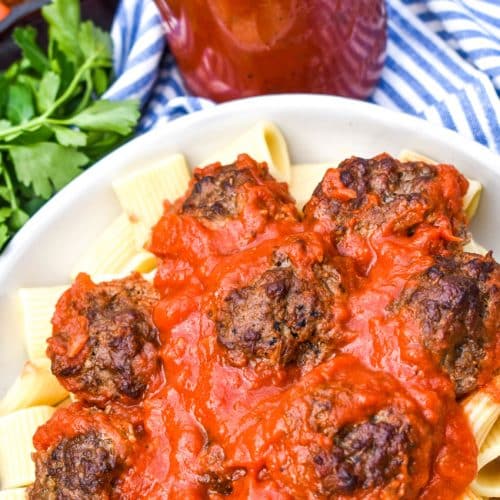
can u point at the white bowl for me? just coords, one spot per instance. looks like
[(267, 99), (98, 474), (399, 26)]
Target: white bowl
[(317, 129)]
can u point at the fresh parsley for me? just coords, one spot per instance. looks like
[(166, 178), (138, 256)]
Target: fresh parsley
[(53, 122)]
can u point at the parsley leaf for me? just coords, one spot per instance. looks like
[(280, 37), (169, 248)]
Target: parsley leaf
[(4, 234), (52, 123), (25, 38), (46, 166), (63, 18), (119, 117), (69, 137), (47, 90), (20, 105), (94, 42)]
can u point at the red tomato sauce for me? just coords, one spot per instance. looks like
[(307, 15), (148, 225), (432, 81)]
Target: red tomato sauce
[(204, 419)]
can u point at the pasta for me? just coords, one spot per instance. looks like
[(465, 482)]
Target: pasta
[(14, 494), (16, 431), (35, 386), (471, 198), (38, 307), (141, 193), (475, 247), (470, 495), (263, 142), (487, 482), (111, 252), (482, 411), (305, 178)]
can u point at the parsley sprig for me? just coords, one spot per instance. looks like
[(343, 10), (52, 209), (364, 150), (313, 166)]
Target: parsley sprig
[(53, 123)]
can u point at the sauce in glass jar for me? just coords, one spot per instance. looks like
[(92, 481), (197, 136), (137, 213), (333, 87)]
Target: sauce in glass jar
[(228, 49)]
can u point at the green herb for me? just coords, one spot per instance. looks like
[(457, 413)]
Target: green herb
[(53, 123)]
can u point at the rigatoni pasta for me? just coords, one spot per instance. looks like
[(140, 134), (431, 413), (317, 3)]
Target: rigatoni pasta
[(16, 431), (482, 410), (35, 386), (13, 494), (111, 252), (37, 306), (142, 193), (305, 178), (263, 142), (487, 482)]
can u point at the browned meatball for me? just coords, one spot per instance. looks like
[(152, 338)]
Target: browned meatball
[(344, 430), (285, 314), (366, 455), (220, 192), (215, 195), (83, 466), (104, 343), (456, 304), (80, 453), (362, 195)]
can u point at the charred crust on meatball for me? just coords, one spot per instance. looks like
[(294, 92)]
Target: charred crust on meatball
[(456, 303), (216, 192), (281, 317), (384, 190), (215, 196), (366, 455), (83, 466), (104, 342)]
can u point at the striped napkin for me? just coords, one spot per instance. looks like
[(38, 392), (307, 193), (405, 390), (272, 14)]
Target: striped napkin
[(443, 64)]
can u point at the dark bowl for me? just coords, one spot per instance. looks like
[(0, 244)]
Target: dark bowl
[(28, 13)]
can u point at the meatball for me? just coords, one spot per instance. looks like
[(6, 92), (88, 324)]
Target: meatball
[(104, 343), (81, 453), (366, 455), (285, 314), (227, 208), (456, 305), (220, 192), (362, 195), (214, 195), (344, 430), (83, 466)]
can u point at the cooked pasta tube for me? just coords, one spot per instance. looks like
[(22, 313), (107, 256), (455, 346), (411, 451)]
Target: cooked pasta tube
[(66, 402), (35, 386), (487, 482), (142, 193), (14, 494), (482, 411), (472, 197), (470, 495), (263, 142), (38, 306), (409, 155), (475, 247), (305, 178), (111, 252), (16, 433), (473, 194)]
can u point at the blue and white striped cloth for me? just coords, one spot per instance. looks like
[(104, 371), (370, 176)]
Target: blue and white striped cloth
[(443, 64)]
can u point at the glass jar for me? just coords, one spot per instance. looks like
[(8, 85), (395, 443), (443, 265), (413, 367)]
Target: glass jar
[(228, 49)]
